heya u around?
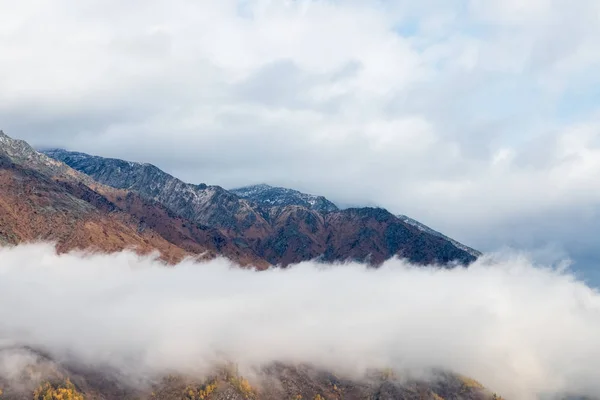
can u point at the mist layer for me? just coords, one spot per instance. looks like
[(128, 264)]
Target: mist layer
[(520, 329)]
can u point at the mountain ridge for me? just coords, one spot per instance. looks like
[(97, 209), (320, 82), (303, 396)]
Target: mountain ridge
[(283, 231)]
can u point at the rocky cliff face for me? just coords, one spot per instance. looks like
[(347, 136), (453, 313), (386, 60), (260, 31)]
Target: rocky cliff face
[(280, 225)]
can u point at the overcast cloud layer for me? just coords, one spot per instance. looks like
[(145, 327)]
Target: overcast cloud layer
[(480, 118), (520, 330)]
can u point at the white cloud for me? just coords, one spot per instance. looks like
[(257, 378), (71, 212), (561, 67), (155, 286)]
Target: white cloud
[(514, 11), (519, 329)]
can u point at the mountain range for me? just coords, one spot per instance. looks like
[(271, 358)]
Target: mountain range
[(276, 225), (82, 201)]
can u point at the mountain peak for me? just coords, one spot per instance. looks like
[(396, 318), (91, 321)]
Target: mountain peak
[(21, 153), (4, 135), (268, 195), (7, 141)]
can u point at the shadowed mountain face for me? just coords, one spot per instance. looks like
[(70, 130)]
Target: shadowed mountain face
[(282, 226)]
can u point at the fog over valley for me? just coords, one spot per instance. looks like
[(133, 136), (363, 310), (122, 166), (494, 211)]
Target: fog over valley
[(520, 329)]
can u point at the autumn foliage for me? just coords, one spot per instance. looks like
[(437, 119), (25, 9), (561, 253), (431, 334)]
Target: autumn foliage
[(201, 393), (66, 391)]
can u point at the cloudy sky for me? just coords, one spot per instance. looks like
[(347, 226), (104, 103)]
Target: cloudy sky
[(480, 118)]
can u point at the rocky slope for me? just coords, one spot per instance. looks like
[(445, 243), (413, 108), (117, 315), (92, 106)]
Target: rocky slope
[(207, 205), (279, 231), (266, 195)]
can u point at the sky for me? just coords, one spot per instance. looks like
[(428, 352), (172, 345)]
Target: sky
[(478, 118)]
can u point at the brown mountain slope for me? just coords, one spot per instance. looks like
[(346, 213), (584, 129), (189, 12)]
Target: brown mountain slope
[(34, 207)]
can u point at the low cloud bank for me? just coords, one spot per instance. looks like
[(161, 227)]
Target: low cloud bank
[(521, 330)]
